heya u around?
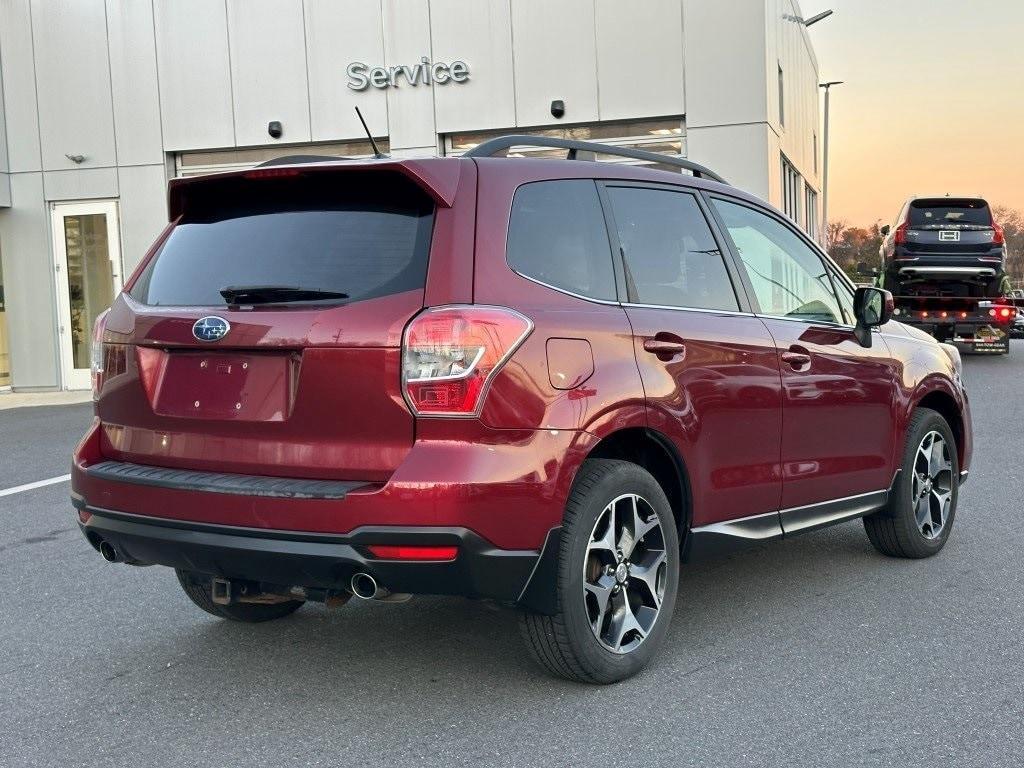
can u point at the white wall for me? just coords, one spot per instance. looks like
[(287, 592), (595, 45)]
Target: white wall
[(127, 83)]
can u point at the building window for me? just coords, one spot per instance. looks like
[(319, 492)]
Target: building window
[(662, 135), (792, 190), (811, 212), (782, 99), (213, 161)]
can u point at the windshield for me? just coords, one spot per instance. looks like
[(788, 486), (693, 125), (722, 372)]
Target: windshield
[(945, 211), (313, 238)]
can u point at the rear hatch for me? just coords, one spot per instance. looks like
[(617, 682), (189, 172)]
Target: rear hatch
[(263, 336), (949, 226)]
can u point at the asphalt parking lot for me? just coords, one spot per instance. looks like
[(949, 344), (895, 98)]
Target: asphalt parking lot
[(816, 651)]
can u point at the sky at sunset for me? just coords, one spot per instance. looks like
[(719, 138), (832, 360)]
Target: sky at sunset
[(932, 101)]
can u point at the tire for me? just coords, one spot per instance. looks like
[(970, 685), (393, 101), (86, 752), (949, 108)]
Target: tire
[(916, 522), (609, 493), (197, 587)]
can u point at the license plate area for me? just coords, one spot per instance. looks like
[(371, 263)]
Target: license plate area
[(226, 386)]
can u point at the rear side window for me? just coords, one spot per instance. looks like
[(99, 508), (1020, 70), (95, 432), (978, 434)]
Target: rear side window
[(949, 211), (670, 254), (353, 236), (557, 236)]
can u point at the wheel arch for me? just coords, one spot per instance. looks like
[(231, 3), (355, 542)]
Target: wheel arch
[(656, 453), (946, 405)]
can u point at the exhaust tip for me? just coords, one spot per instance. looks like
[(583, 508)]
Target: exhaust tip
[(364, 586), (107, 552)]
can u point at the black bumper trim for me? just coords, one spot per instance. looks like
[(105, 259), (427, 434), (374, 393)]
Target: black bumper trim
[(314, 560), (221, 482)]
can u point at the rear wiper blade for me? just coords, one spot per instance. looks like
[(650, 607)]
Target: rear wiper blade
[(275, 294)]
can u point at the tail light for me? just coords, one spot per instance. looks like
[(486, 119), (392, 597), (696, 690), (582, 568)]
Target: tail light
[(900, 236), (998, 236), (105, 360), (450, 355), (96, 353)]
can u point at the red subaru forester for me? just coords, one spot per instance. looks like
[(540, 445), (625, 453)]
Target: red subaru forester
[(544, 382)]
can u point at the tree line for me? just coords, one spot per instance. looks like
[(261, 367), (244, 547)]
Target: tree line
[(849, 245)]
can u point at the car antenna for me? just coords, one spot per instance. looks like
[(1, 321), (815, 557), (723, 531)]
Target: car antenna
[(377, 154)]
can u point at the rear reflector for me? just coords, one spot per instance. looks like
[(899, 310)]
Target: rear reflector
[(389, 552), (451, 354)]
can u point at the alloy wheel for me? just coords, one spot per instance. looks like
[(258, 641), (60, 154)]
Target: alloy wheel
[(624, 573), (932, 487)]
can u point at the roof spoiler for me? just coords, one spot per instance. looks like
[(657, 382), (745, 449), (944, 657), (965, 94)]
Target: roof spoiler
[(438, 179)]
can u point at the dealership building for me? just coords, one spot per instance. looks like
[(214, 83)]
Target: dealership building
[(103, 101)]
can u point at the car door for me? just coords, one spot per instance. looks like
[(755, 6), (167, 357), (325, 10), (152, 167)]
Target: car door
[(709, 367), (839, 398)]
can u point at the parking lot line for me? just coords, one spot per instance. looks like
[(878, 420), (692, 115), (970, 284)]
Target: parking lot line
[(36, 484)]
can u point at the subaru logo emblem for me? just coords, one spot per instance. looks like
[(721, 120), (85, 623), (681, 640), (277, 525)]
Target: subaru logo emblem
[(211, 328)]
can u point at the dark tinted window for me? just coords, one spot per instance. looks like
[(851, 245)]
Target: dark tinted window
[(671, 257), (788, 276), (949, 211), (364, 236), (557, 236)]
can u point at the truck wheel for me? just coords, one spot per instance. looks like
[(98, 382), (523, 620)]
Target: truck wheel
[(618, 572), (919, 516), (197, 587)]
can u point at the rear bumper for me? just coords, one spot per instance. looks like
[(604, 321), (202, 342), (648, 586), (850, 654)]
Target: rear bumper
[(285, 559)]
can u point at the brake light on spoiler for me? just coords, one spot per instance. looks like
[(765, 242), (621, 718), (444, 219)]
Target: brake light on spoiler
[(450, 356)]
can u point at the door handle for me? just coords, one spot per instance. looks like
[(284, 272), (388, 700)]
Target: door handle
[(796, 357), (664, 348)]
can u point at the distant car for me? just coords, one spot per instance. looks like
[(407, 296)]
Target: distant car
[(1017, 329), (936, 238)]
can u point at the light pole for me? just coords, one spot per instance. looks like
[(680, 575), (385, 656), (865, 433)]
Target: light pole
[(824, 180)]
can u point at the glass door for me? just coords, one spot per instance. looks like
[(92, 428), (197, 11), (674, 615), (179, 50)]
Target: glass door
[(88, 269)]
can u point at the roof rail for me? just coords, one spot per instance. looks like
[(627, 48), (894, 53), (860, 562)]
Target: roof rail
[(491, 147)]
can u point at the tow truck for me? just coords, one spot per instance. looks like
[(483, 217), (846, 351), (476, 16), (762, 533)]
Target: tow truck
[(944, 261)]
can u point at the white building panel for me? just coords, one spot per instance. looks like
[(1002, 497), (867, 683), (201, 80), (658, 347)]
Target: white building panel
[(555, 57), (268, 70), (725, 62), (640, 58), (80, 184), (133, 81), (410, 108), (75, 113), (142, 211), (195, 78), (480, 34), (30, 315), (19, 76), (339, 32)]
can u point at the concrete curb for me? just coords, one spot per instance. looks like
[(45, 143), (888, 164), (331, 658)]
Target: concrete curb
[(32, 399)]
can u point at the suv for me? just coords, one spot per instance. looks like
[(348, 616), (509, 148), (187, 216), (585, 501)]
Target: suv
[(543, 382), (944, 238)]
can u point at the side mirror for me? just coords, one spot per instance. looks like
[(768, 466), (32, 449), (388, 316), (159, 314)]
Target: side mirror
[(884, 230), (872, 307)]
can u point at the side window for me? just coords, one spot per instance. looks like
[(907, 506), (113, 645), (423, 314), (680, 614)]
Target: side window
[(845, 298), (670, 255), (789, 278), (557, 236)]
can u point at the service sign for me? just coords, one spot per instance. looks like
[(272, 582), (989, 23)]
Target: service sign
[(362, 76)]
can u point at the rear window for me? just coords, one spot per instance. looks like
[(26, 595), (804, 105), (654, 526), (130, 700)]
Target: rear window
[(947, 211), (354, 236)]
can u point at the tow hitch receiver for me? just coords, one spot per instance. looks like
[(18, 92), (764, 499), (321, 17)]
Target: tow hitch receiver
[(220, 591)]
